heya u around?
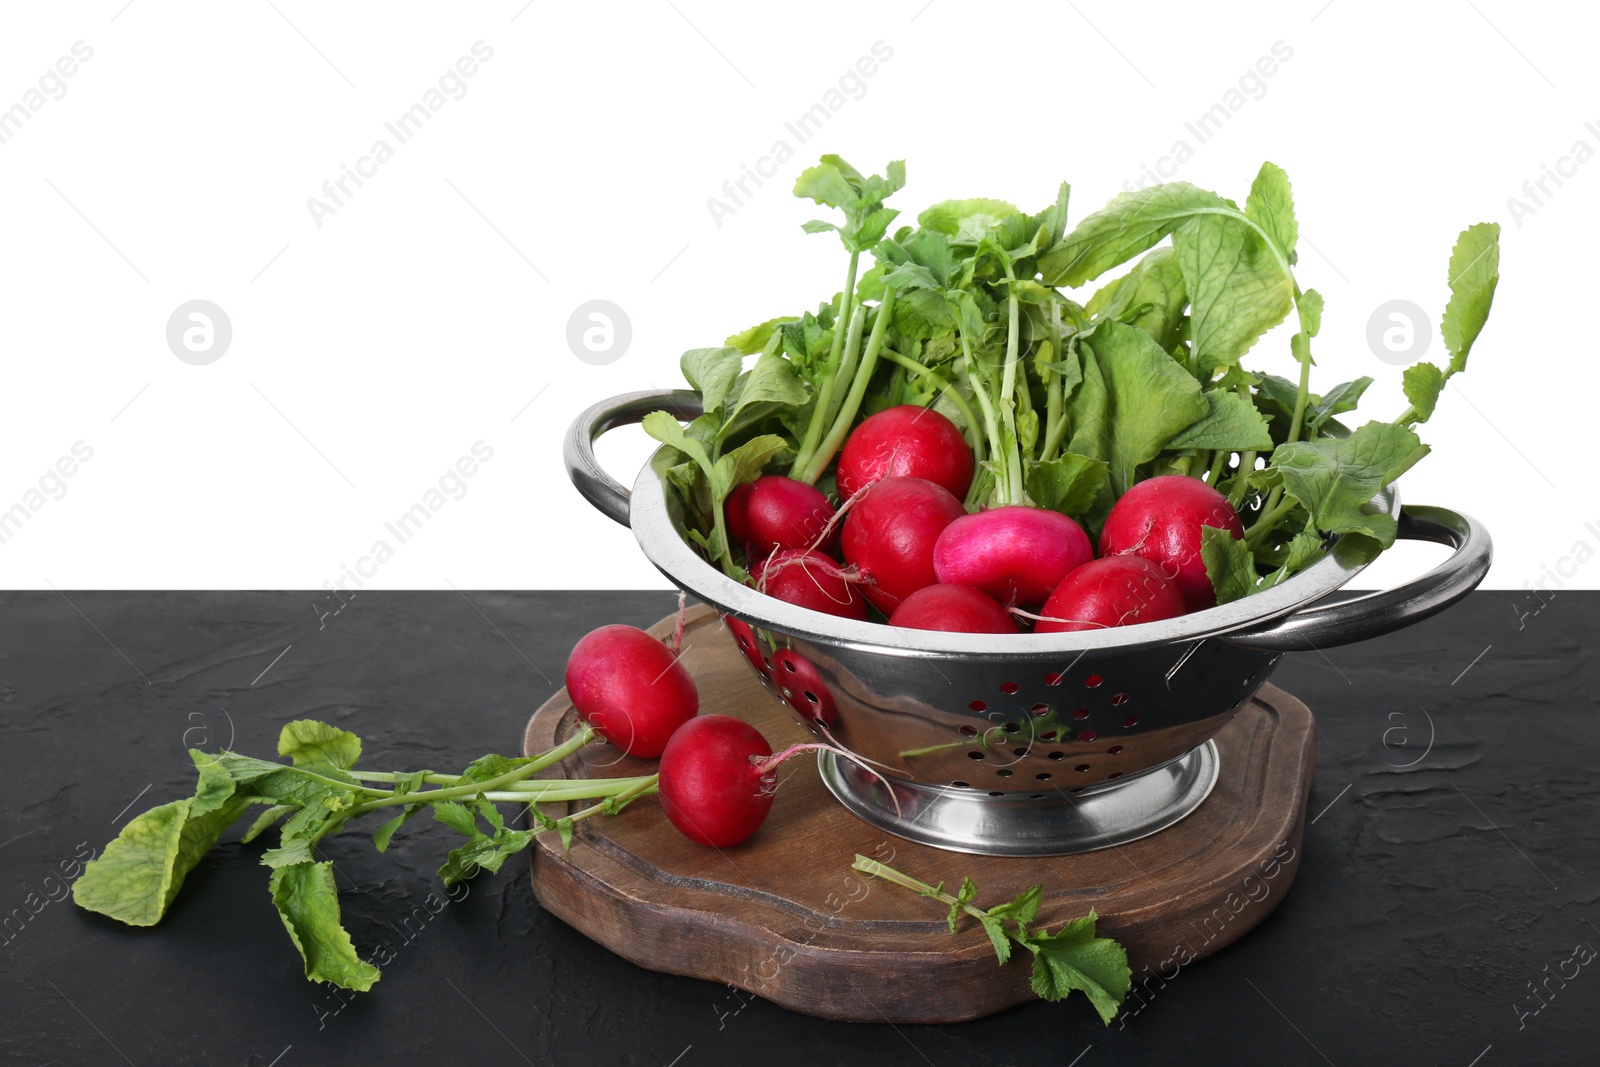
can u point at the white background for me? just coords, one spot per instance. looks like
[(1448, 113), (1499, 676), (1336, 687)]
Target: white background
[(425, 314)]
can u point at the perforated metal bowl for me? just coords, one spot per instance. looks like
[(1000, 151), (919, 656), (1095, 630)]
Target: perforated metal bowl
[(1035, 744)]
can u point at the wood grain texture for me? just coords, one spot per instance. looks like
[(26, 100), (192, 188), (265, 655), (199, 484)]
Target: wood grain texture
[(783, 916)]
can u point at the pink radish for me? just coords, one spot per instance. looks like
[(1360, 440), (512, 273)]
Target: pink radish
[(713, 788), (905, 441), (776, 512), (889, 536), (1111, 591), (1015, 554), (955, 609), (631, 688), (1160, 519), (810, 580)]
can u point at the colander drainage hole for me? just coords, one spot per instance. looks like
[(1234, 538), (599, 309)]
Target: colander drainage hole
[(1035, 796), (1113, 750), (1058, 755), (1114, 774), (1048, 735), (974, 755), (1087, 735), (1040, 709), (978, 705), (996, 793), (1012, 728), (1081, 713), (1080, 768), (1008, 688), (788, 666), (1131, 720), (812, 697), (961, 785), (970, 731), (1093, 680), (1003, 772), (1019, 752), (1045, 777), (1120, 699), (1053, 678), (768, 661)]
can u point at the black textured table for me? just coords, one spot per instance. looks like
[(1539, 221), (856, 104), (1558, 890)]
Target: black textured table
[(1446, 909)]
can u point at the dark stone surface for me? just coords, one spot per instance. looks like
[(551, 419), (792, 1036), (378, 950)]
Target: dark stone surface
[(1430, 895)]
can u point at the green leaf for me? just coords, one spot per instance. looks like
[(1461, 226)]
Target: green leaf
[(308, 741), (770, 385), (1074, 958), (1303, 549), (1474, 273), (1152, 296), (826, 184), (265, 820), (1232, 423), (1229, 564), (308, 903), (1237, 289), (1133, 399), (139, 874), (996, 931), (458, 817), (947, 216), (745, 464), (1271, 206), (712, 371), (965, 896), (403, 784), (1023, 909), (297, 842), (666, 429), (1336, 478), (216, 785), (1423, 382), (1067, 483), (1130, 224), (1341, 398)]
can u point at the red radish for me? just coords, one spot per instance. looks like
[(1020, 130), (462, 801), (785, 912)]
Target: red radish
[(955, 609), (712, 788), (810, 580), (905, 441), (631, 688), (1015, 554), (776, 512), (1111, 591), (889, 536), (1160, 519)]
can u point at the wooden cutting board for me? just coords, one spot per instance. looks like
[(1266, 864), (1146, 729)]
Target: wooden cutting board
[(785, 917)]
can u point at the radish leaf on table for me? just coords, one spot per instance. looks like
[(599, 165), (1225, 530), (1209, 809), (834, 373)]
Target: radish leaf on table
[(139, 874), (1072, 958)]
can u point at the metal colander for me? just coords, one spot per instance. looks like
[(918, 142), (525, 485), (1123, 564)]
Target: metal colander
[(1035, 744)]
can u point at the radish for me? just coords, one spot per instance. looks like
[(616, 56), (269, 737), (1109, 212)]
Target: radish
[(955, 609), (713, 788), (810, 580), (631, 688), (1015, 554), (718, 775), (1111, 591), (905, 441), (1160, 519), (775, 512), (890, 533)]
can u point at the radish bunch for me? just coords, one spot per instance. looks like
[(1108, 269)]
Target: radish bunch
[(961, 413), (910, 549)]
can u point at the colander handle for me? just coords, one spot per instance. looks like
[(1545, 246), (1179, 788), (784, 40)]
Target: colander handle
[(1380, 613), (591, 479)]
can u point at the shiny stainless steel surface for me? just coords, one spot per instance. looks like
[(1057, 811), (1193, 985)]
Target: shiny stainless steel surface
[(1042, 721)]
